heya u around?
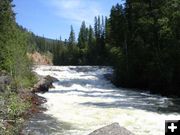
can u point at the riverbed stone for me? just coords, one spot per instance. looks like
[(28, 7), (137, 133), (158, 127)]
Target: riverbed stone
[(44, 84), (113, 129)]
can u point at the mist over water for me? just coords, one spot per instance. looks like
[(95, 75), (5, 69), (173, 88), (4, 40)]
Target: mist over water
[(84, 100)]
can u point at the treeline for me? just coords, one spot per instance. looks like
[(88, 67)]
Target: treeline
[(141, 39), (13, 47), (146, 37), (88, 50)]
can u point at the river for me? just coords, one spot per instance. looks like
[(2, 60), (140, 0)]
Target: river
[(84, 100)]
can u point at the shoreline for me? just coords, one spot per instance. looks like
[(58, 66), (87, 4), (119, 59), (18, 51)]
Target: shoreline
[(43, 84)]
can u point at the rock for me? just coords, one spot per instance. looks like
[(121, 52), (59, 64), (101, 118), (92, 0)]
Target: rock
[(50, 78), (44, 84), (5, 80), (113, 129), (109, 77)]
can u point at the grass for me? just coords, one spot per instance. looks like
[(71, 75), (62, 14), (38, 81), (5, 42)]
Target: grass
[(13, 106)]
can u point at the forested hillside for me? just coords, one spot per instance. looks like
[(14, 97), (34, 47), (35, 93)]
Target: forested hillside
[(141, 39), (13, 44), (15, 71)]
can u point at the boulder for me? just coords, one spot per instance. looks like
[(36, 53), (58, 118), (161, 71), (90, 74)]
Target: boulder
[(113, 129), (50, 78), (5, 80), (44, 84)]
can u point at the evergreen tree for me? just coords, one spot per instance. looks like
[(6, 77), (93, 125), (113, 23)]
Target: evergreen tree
[(91, 36), (72, 39), (92, 52), (83, 36)]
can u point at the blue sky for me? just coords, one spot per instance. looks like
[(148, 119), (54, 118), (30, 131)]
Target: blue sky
[(52, 18)]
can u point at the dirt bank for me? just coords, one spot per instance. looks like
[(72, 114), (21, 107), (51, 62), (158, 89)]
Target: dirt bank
[(40, 59)]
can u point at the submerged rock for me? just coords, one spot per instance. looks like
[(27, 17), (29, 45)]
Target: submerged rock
[(113, 129), (44, 84)]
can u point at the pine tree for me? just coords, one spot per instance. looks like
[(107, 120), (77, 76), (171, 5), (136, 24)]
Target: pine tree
[(91, 37), (107, 30), (118, 26), (83, 36), (96, 27), (72, 39)]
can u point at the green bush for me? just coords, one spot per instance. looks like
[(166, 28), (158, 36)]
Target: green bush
[(12, 108)]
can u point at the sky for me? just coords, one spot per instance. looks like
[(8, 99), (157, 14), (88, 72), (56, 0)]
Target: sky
[(53, 18)]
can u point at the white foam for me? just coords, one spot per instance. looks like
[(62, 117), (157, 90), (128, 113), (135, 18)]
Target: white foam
[(88, 101)]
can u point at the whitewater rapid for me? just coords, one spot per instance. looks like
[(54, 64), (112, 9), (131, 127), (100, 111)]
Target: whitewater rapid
[(84, 100)]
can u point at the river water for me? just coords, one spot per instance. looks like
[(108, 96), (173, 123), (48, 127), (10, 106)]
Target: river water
[(84, 100)]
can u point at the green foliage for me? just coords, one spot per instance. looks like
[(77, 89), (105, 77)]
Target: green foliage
[(13, 44), (72, 37), (115, 54), (83, 36), (12, 109), (145, 32), (16, 106), (13, 60)]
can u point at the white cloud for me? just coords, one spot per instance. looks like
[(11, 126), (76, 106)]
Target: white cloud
[(76, 10)]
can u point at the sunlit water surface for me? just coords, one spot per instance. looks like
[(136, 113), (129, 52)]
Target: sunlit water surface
[(84, 100)]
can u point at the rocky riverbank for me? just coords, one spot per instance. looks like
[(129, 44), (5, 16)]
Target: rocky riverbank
[(17, 106), (43, 85)]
